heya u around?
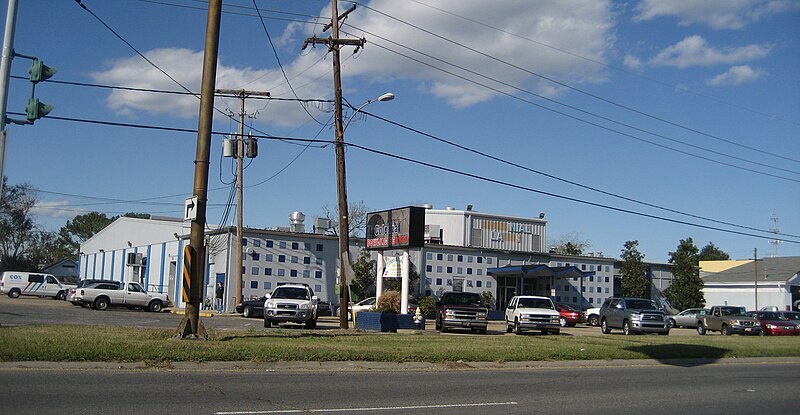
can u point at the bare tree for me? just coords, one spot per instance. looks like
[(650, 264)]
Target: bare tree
[(357, 215), (570, 244)]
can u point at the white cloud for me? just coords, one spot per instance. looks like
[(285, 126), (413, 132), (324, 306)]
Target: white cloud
[(574, 25), (56, 209), (632, 62), (695, 51), (736, 75), (718, 14)]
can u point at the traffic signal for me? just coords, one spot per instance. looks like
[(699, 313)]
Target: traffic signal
[(252, 147), (40, 72), (35, 109)]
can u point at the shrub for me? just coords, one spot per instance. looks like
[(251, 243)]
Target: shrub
[(428, 306), (487, 298), (389, 302)]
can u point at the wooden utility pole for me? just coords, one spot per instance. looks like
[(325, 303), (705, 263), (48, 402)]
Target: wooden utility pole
[(194, 255), (755, 281), (242, 95), (334, 43)]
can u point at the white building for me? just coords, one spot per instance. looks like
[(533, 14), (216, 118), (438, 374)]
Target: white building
[(767, 282)]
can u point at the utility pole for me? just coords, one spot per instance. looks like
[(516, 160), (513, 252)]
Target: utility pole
[(5, 70), (191, 327), (242, 95), (334, 43), (755, 264)]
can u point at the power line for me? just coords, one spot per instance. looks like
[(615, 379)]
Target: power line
[(495, 181), (581, 91)]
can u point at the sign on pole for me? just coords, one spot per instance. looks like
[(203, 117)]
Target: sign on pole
[(190, 209)]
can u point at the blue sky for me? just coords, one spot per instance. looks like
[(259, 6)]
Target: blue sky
[(689, 106)]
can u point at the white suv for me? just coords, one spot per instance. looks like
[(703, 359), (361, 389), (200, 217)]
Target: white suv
[(528, 312), (291, 303)]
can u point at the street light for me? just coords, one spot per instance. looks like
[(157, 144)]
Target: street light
[(344, 220)]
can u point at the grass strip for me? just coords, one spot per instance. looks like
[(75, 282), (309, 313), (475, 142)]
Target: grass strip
[(128, 344)]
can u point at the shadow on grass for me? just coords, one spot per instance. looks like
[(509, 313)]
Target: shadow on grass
[(684, 355)]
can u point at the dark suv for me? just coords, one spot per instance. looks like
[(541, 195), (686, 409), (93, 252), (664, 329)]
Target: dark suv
[(461, 310), (633, 315)]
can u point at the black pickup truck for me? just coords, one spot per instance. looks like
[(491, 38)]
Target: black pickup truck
[(460, 310)]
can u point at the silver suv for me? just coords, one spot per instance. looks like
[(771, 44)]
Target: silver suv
[(291, 303), (633, 315)]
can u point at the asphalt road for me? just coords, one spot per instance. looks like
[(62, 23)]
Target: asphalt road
[(34, 310), (619, 388)]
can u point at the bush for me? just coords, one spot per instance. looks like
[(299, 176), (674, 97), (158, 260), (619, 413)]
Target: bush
[(428, 307), (389, 302), (487, 298)]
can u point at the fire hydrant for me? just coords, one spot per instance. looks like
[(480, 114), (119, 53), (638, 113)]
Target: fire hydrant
[(419, 320)]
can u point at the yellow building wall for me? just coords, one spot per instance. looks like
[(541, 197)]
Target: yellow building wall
[(719, 266)]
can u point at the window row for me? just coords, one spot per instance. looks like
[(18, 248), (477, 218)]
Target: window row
[(268, 285), (281, 272), (256, 243), (459, 270), (255, 256), (467, 283), (458, 258), (590, 300), (589, 267)]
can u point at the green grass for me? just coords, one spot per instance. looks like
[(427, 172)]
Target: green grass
[(126, 344)]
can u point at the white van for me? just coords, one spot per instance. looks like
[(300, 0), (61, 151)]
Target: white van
[(15, 283)]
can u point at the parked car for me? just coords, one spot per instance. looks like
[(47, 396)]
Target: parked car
[(793, 316), (72, 290), (774, 324), (103, 295), (461, 310), (592, 316), (324, 309), (291, 303), (569, 316), (363, 305), (16, 283), (633, 315), (727, 320), (252, 308), (528, 312), (687, 318)]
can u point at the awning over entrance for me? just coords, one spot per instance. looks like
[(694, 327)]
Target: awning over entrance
[(533, 279)]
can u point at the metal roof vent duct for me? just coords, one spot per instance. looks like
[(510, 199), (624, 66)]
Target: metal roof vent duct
[(296, 220)]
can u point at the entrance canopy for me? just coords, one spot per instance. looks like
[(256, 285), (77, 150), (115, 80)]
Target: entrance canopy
[(533, 279), (537, 271)]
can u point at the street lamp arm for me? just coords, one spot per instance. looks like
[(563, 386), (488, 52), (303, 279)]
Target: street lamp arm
[(385, 97)]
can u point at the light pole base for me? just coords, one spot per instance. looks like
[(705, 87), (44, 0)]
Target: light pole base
[(185, 330)]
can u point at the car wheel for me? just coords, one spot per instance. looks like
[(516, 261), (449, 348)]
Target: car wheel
[(14, 293), (509, 327), (562, 322), (155, 306), (517, 328), (100, 304), (672, 323), (482, 331), (593, 320), (604, 327), (267, 323), (763, 333), (663, 333), (725, 330), (626, 328), (311, 324), (247, 312), (61, 296), (556, 332), (701, 329)]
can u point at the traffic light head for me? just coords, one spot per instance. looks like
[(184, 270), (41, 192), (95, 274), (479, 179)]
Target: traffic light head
[(35, 109), (40, 72)]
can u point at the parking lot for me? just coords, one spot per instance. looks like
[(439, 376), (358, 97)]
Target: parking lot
[(33, 310)]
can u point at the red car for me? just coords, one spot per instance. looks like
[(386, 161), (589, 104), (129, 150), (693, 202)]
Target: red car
[(774, 324), (569, 316)]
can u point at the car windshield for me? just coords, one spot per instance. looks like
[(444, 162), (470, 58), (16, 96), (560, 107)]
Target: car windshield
[(535, 303), (727, 311), (791, 315), (291, 293), (464, 299), (769, 315), (641, 304)]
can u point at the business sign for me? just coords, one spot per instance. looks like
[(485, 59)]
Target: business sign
[(396, 228), (393, 268)]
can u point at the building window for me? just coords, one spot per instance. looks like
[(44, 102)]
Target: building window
[(460, 270), (428, 281), (268, 257), (558, 298), (469, 271), (469, 259), (590, 300), (489, 261), (269, 243), (449, 282), (267, 271), (606, 279), (478, 283), (583, 289), (591, 278), (319, 261), (244, 241), (281, 258), (282, 244), (244, 270), (319, 247), (591, 289), (429, 256), (469, 283), (429, 268), (480, 260), (295, 259), (449, 270), (267, 285), (461, 258), (256, 256), (488, 284), (307, 260), (450, 257), (317, 274), (306, 273), (293, 273), (480, 271), (256, 243), (574, 299), (439, 268), (438, 281), (317, 288), (583, 267), (254, 284), (295, 245), (439, 256), (254, 270), (281, 272), (606, 290)]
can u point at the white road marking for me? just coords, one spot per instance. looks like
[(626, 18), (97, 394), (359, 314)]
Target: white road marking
[(382, 408)]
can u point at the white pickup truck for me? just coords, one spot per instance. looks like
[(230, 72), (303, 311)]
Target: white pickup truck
[(102, 295)]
